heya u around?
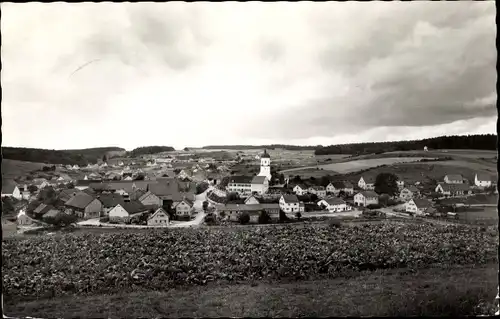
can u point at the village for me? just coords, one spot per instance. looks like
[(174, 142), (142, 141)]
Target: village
[(178, 191)]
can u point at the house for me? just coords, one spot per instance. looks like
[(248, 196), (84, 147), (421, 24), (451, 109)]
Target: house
[(408, 193), (23, 219), (254, 210), (109, 201), (41, 210), (300, 189), (340, 186), (184, 208), (11, 190), (319, 191), (125, 212), (289, 204), (151, 200), (84, 206), (334, 204), (159, 218), (366, 183), (418, 206), (259, 185), (482, 180), (366, 198), (25, 193), (240, 184), (66, 194), (128, 178), (454, 179), (251, 200), (453, 189)]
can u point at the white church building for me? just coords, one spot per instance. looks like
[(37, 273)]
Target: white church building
[(265, 166), (247, 185)]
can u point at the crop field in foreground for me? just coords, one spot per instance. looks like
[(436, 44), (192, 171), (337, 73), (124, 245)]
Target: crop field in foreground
[(88, 264)]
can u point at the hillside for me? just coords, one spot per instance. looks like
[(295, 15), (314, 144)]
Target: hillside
[(473, 142), (79, 157), (148, 150), (254, 147)]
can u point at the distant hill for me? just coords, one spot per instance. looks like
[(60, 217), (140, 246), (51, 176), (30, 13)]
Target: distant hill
[(474, 142), (254, 147), (146, 150), (79, 157)]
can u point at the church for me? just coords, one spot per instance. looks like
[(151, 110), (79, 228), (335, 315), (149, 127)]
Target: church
[(247, 185)]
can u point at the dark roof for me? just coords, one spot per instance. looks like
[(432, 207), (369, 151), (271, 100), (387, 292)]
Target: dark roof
[(290, 198), (420, 202), (369, 194), (317, 188), (455, 177), (334, 201), (51, 213), (454, 187), (133, 207), (258, 180), (80, 200), (158, 211), (265, 155), (110, 200), (240, 179), (338, 185), (42, 209), (483, 177), (161, 189), (188, 201)]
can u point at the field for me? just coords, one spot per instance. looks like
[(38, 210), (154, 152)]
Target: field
[(12, 169), (75, 269)]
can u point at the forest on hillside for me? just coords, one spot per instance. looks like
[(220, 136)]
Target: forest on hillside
[(256, 147), (146, 150), (79, 157), (473, 142)]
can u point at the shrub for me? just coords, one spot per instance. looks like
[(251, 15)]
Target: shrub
[(244, 218), (373, 206), (334, 223), (298, 215), (264, 217), (104, 219)]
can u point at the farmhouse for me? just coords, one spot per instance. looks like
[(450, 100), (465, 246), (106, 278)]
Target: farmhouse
[(408, 193), (300, 189), (366, 183), (340, 186), (125, 212), (453, 179), (150, 200), (159, 218), (240, 184), (290, 204), (366, 198), (453, 189), (334, 204), (418, 206), (234, 210), (109, 201), (482, 180), (319, 191), (184, 208), (41, 210), (84, 206)]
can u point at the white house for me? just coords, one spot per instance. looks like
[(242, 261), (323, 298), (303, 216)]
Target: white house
[(366, 198), (11, 190), (454, 179), (408, 193), (289, 204), (300, 189), (124, 212), (319, 191), (159, 218), (418, 206), (184, 208), (265, 165), (259, 185), (340, 186), (23, 219), (240, 184), (334, 204), (482, 180), (366, 183)]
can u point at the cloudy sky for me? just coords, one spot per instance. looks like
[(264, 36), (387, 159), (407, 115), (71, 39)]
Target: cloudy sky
[(194, 74)]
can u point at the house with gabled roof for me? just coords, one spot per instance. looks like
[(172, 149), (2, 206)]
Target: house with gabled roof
[(150, 200), (409, 192), (300, 189), (184, 207), (453, 189), (482, 180), (126, 211), (251, 200), (84, 206), (418, 206), (334, 204), (66, 194), (319, 191), (366, 198), (41, 210), (259, 185), (109, 201), (289, 204), (366, 183), (159, 218), (454, 179)]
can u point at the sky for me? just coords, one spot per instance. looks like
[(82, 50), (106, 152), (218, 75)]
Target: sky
[(193, 74)]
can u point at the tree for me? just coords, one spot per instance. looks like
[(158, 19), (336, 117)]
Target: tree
[(70, 185), (386, 183), (325, 180), (7, 205), (105, 158), (283, 217), (139, 177), (201, 187), (32, 189), (205, 206), (298, 215), (61, 220), (244, 218), (281, 178), (233, 196), (264, 217)]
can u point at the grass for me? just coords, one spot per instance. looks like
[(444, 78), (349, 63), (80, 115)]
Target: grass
[(12, 169), (428, 292)]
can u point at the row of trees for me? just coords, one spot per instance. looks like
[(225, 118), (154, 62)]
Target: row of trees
[(146, 150), (79, 157), (475, 142)]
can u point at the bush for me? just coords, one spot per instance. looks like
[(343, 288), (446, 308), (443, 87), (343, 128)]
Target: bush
[(374, 206), (283, 217), (334, 223), (244, 218), (264, 217), (104, 219), (298, 215)]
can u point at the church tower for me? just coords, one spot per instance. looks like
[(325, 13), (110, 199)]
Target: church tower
[(265, 165)]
